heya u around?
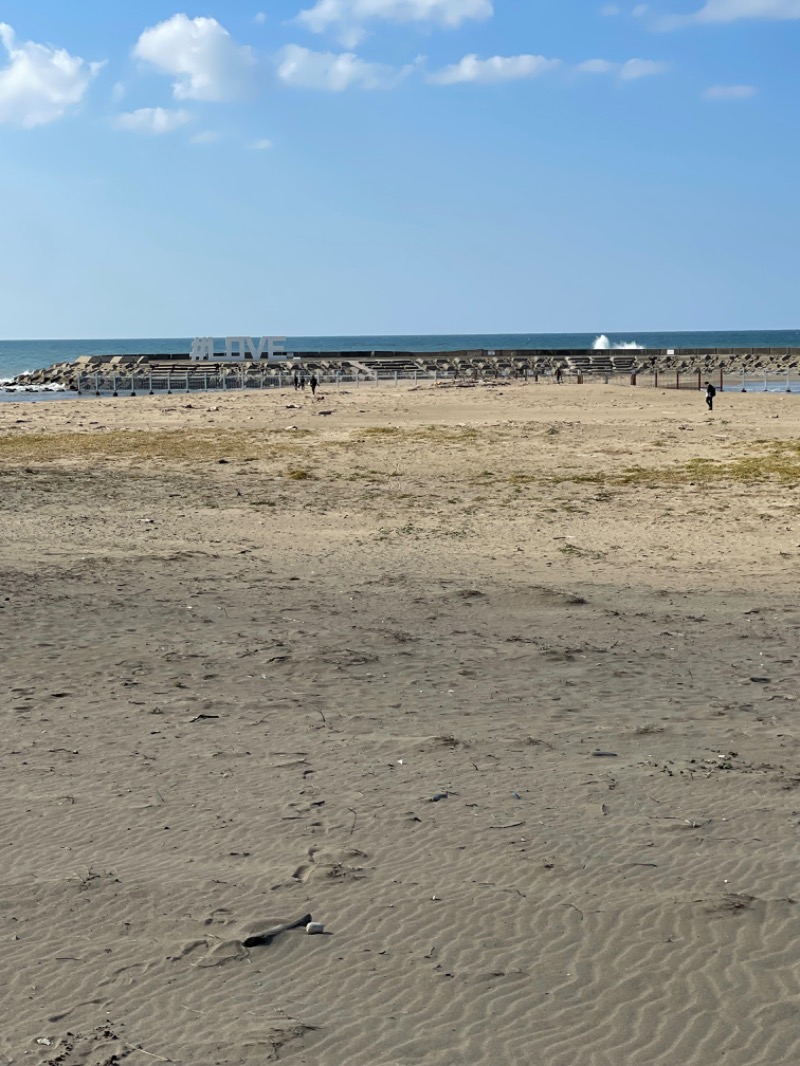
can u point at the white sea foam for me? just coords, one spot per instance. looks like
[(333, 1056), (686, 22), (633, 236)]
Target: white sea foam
[(7, 385), (603, 344)]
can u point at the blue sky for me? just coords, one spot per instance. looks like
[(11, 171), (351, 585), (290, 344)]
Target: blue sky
[(329, 167)]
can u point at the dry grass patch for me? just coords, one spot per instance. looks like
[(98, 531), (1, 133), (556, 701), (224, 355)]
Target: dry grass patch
[(432, 434), (302, 451), (779, 461), (182, 445)]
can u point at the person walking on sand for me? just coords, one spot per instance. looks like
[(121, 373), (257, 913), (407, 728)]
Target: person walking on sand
[(313, 383), (711, 392), (559, 375)]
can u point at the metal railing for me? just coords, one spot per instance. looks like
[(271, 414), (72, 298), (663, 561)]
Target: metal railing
[(143, 382), (724, 380)]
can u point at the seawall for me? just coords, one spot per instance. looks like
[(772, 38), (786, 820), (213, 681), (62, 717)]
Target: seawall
[(160, 371)]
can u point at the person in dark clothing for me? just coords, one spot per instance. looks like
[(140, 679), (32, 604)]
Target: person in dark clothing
[(559, 375), (296, 382), (313, 383), (303, 382), (711, 392)]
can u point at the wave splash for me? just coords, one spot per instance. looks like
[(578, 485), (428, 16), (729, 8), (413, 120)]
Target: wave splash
[(603, 344), (8, 385)]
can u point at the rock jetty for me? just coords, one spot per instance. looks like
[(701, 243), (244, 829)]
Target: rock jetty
[(158, 372)]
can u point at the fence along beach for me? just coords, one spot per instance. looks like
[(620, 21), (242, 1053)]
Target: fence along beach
[(502, 693)]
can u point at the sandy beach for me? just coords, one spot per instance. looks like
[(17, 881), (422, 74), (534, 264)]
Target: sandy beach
[(499, 684)]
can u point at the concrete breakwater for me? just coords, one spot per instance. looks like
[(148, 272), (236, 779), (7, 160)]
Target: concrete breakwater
[(159, 372)]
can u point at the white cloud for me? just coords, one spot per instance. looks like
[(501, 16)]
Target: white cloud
[(628, 71), (300, 68), (597, 66), (731, 10), (118, 92), (511, 68), (260, 18), (641, 68), (205, 60), (640, 11), (347, 17), (262, 145), (495, 69), (721, 11), (40, 83), (152, 120), (205, 137), (610, 10), (730, 92)]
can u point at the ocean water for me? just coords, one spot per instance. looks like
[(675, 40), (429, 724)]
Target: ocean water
[(17, 357)]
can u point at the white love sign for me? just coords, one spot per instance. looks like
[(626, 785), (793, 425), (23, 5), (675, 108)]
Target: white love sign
[(238, 348)]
